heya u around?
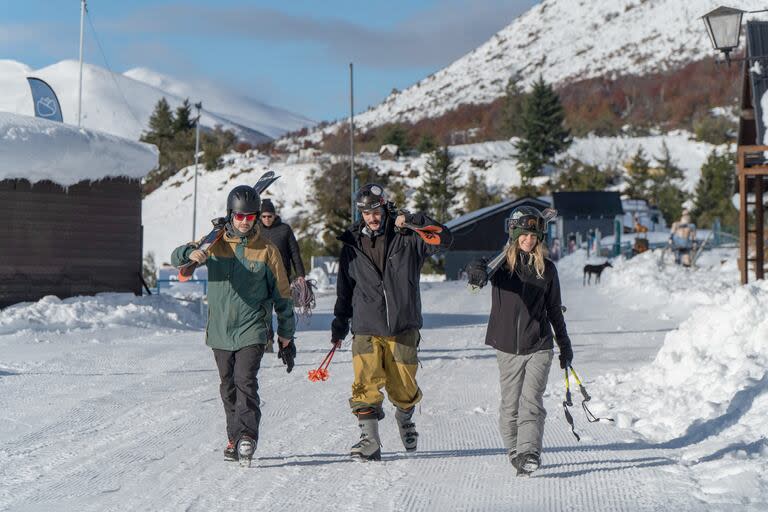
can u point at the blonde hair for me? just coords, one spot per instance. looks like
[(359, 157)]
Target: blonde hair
[(539, 253)]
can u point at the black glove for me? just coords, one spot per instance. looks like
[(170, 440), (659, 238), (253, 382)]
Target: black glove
[(287, 354), (477, 272), (566, 356)]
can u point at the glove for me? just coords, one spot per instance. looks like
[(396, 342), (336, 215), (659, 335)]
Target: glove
[(337, 343), (566, 356), (477, 273), (287, 355)]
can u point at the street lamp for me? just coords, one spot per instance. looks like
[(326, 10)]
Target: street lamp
[(724, 29)]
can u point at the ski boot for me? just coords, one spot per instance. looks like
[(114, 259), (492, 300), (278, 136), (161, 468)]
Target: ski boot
[(407, 428), (527, 463), (246, 446), (369, 445), (230, 453)]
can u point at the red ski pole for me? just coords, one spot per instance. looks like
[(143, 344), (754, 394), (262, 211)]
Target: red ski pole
[(321, 373)]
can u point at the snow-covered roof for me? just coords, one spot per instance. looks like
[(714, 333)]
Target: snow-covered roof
[(391, 148), (37, 149)]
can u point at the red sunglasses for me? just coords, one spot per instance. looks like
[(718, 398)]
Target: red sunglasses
[(240, 217)]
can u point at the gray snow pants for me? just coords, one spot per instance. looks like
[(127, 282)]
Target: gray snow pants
[(523, 379)]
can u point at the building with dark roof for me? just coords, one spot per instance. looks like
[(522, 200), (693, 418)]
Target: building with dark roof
[(481, 233), (580, 213)]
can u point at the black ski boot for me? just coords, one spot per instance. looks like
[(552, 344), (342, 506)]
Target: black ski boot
[(246, 446), (230, 453), (407, 428), (369, 445)]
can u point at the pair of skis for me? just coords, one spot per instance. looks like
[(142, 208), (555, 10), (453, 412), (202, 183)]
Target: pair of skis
[(219, 227)]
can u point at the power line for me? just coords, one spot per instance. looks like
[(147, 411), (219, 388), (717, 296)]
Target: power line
[(111, 73)]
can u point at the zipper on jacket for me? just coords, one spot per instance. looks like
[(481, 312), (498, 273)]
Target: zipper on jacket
[(386, 306)]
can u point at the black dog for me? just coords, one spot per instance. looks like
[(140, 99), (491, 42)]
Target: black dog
[(594, 269)]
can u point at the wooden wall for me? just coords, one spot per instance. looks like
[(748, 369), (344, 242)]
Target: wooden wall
[(78, 240)]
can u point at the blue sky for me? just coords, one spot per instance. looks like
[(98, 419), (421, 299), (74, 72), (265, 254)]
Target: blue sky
[(292, 54)]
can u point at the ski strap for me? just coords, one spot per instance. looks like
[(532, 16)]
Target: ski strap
[(321, 373), (568, 402)]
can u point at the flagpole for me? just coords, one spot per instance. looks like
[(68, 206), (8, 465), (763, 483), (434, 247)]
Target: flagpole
[(80, 87)]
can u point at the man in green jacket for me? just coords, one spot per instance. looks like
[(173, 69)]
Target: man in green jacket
[(246, 278)]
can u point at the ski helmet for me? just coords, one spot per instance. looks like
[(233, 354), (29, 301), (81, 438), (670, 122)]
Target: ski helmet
[(243, 199), (526, 219), (370, 197)]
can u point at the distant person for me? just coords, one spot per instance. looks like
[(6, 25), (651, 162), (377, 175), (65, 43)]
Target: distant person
[(682, 238), (281, 235), (377, 290), (525, 308), (245, 274)]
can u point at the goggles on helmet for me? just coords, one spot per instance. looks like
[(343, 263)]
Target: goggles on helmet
[(532, 223)]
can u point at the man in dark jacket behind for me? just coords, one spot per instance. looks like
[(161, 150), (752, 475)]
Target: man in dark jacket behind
[(378, 291), (281, 235)]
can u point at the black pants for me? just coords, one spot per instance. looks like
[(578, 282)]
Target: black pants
[(240, 389)]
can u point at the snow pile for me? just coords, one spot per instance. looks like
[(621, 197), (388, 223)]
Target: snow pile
[(696, 379), (38, 149), (645, 278), (103, 310)]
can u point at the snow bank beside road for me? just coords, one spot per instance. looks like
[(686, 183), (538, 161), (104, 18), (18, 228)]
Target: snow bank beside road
[(103, 310)]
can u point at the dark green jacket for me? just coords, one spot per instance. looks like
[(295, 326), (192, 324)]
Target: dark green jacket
[(245, 278)]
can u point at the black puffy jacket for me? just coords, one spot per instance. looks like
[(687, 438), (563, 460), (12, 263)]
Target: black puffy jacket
[(523, 307), (281, 235), (383, 304)]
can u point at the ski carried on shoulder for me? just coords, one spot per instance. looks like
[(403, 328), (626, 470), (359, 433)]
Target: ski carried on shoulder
[(204, 244)]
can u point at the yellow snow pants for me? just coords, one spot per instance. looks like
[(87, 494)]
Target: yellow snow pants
[(387, 362)]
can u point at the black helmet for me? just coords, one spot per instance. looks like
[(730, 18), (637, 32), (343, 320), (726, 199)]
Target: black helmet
[(370, 197), (526, 219), (243, 199)]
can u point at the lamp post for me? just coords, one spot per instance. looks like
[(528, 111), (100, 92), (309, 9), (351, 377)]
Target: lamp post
[(724, 29)]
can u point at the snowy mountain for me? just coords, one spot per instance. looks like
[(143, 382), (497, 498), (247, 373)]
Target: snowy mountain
[(122, 104), (563, 41)]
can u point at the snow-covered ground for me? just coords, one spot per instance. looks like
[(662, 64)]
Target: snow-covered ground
[(494, 162), (111, 403)]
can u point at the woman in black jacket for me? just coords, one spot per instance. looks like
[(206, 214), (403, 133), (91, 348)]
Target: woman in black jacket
[(525, 309)]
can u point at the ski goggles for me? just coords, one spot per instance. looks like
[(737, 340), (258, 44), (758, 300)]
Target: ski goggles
[(240, 217), (532, 223)]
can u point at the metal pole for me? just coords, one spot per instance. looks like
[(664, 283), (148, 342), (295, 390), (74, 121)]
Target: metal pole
[(352, 142), (199, 107), (80, 87)]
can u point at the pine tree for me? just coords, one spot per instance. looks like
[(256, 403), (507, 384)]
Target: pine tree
[(477, 194), (438, 188), (544, 134), (639, 176), (714, 190), (183, 120), (665, 190), (161, 124), (512, 112)]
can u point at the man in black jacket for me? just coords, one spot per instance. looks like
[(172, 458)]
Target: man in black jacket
[(378, 291), (281, 235)]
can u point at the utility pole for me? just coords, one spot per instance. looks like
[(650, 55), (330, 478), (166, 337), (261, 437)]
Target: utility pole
[(199, 107), (352, 142), (80, 87)]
